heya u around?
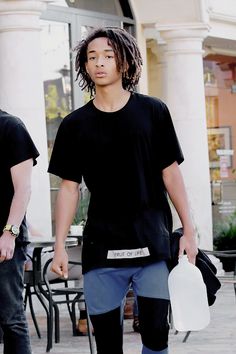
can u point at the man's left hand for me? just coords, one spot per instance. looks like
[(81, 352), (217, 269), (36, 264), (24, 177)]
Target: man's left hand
[(7, 246)]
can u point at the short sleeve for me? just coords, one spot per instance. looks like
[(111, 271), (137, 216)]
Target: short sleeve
[(64, 160), (20, 144), (168, 146)]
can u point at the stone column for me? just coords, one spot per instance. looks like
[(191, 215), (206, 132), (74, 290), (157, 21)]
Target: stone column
[(186, 100), (21, 92), (161, 72)]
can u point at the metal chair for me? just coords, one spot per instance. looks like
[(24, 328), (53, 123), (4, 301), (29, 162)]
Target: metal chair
[(228, 277), (29, 292), (72, 296)]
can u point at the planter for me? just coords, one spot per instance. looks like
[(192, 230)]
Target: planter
[(76, 230), (227, 263)]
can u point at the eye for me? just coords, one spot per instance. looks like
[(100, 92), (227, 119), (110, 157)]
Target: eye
[(91, 58), (109, 56)]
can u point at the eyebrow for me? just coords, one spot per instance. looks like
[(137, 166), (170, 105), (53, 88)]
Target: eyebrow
[(105, 50)]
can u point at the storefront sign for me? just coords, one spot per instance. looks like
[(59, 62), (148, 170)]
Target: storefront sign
[(224, 173)]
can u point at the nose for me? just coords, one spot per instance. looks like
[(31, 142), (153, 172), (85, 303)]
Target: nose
[(99, 62), (99, 65)]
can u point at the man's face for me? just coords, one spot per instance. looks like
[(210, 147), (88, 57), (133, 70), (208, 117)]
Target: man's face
[(101, 63)]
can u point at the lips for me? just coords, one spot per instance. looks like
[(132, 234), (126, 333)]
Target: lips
[(100, 74)]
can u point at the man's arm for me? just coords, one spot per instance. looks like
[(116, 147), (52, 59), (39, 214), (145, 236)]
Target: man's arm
[(174, 184), (21, 179), (66, 205)]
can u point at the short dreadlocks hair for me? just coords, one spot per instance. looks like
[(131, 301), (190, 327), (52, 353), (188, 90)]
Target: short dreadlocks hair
[(127, 54)]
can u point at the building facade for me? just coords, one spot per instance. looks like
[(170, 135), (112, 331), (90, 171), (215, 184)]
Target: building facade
[(189, 54)]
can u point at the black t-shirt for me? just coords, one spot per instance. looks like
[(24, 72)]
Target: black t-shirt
[(121, 156), (16, 146)]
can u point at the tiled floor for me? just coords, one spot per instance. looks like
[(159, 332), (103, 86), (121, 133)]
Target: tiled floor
[(218, 338)]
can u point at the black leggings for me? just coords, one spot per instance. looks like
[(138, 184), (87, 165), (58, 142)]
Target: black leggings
[(154, 328)]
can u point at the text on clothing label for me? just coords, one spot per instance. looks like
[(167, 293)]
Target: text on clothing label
[(134, 253)]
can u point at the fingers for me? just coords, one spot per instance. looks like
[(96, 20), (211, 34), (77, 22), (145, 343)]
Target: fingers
[(60, 263), (7, 247), (189, 247), (6, 255), (181, 251), (65, 274), (60, 269), (64, 269), (2, 256), (192, 253), (181, 247), (56, 269), (191, 259)]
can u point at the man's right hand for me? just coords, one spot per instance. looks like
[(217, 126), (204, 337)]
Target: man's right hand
[(60, 263)]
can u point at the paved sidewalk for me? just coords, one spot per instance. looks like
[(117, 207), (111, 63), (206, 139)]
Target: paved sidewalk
[(218, 338)]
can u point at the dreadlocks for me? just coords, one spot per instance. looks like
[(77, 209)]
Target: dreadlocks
[(127, 54)]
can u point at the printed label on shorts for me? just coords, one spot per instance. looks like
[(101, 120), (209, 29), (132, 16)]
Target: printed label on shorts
[(135, 253)]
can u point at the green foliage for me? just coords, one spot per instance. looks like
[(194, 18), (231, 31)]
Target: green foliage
[(225, 234), (55, 103), (81, 214), (76, 220)]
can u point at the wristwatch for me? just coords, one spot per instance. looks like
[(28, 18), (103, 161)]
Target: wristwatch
[(13, 229)]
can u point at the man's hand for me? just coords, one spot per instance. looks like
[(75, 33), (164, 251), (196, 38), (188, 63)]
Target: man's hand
[(7, 246), (21, 180), (188, 244), (60, 263)]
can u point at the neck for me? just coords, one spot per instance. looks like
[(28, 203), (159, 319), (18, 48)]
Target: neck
[(108, 100)]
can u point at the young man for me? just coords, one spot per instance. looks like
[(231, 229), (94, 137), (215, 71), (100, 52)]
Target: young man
[(124, 146), (18, 155)]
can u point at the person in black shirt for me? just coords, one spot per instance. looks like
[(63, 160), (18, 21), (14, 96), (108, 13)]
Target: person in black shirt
[(18, 155), (123, 144)]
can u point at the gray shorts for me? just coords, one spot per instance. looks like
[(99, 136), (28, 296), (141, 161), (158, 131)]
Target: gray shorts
[(105, 288)]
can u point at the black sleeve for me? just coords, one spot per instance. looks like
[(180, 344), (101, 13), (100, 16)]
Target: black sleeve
[(20, 144), (168, 147), (64, 160)]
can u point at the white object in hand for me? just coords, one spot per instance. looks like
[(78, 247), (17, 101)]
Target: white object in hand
[(188, 297)]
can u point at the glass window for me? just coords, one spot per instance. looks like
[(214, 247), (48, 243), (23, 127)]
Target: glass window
[(56, 60), (56, 75), (220, 79)]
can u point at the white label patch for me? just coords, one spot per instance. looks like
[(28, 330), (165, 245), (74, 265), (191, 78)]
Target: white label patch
[(135, 253)]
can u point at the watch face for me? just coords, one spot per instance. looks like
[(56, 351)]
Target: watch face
[(15, 229)]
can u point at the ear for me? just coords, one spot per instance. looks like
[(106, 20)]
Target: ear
[(125, 67), (125, 71), (86, 67)]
